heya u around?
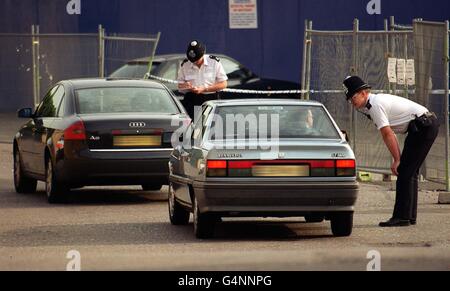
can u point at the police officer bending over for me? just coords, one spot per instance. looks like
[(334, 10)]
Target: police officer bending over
[(201, 77), (392, 114)]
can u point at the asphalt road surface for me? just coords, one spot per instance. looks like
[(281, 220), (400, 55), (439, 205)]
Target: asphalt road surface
[(123, 228)]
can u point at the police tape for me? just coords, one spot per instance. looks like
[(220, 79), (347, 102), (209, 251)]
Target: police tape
[(286, 92), (161, 79), (237, 91)]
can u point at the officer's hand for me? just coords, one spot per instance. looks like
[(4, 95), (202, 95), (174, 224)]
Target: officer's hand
[(394, 167), (185, 86), (199, 90)]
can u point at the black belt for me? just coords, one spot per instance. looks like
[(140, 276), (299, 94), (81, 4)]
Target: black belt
[(428, 115), (422, 121)]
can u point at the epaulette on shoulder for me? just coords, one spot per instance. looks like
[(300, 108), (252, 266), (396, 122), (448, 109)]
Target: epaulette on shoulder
[(216, 58), (184, 62)]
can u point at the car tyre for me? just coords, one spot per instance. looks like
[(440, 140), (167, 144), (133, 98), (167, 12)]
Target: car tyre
[(22, 183), (151, 187), (203, 223), (53, 189), (177, 214), (342, 224)]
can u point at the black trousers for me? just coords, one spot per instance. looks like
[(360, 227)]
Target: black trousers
[(192, 100), (418, 143)]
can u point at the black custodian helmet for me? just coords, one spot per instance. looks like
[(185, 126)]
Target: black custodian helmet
[(354, 84), (195, 51)]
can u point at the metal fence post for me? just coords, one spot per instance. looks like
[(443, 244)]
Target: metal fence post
[(355, 72), (37, 43), (33, 56), (446, 78), (392, 46), (308, 64), (101, 51), (150, 62), (388, 52), (405, 51), (305, 40), (392, 21)]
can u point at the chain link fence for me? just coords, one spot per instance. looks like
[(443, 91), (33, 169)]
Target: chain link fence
[(391, 61), (432, 77), (32, 63), (16, 71)]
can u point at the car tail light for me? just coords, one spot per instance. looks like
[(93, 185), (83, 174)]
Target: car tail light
[(216, 168), (75, 132), (345, 168)]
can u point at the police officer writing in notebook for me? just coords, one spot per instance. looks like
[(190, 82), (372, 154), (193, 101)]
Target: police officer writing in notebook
[(396, 115), (201, 77)]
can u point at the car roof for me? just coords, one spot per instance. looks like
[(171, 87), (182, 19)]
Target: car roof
[(252, 101), (167, 57), (111, 82)]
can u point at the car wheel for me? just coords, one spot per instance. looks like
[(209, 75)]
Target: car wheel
[(314, 218), (22, 184), (203, 223), (342, 224), (177, 214), (151, 187), (53, 188)]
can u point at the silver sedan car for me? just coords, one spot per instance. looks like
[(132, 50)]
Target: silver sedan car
[(262, 158)]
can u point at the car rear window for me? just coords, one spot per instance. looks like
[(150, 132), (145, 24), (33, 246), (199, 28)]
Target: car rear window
[(129, 100), (248, 122)]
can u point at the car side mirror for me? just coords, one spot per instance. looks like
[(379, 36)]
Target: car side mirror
[(25, 113), (347, 138)]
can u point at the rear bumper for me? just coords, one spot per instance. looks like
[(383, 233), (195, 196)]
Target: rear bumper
[(255, 198), (114, 168)]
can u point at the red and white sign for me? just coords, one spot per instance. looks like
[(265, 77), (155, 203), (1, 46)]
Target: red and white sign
[(243, 14)]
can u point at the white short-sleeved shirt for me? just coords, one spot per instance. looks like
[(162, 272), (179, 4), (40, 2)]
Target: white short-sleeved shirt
[(210, 73), (394, 111)]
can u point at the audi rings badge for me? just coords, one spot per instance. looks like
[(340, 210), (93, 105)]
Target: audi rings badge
[(137, 124)]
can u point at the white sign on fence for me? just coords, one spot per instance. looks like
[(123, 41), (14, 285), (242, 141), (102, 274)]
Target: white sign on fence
[(410, 73), (243, 14), (401, 71), (392, 70)]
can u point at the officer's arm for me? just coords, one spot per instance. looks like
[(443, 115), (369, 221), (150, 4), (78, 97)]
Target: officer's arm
[(390, 139), (217, 87), (183, 86)]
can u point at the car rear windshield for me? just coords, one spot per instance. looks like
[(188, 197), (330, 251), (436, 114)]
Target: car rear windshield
[(129, 100), (248, 122)]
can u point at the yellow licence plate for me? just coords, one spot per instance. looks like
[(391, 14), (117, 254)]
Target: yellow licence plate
[(137, 141), (281, 171)]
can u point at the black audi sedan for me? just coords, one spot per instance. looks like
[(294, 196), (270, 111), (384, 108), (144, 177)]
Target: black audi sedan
[(97, 132)]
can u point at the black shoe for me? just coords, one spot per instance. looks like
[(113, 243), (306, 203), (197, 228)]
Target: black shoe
[(412, 221), (393, 222)]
